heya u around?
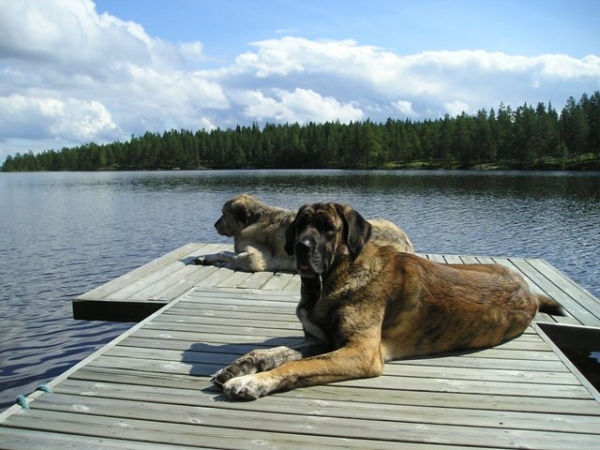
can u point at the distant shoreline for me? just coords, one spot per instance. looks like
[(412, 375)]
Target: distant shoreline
[(587, 166)]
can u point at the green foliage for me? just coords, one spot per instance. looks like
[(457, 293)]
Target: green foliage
[(525, 137)]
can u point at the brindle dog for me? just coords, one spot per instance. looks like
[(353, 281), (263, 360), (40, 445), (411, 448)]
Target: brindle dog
[(259, 231), (363, 304)]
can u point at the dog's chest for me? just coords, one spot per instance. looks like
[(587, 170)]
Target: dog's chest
[(310, 326)]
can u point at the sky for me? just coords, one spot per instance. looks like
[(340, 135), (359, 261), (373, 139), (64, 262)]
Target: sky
[(79, 71)]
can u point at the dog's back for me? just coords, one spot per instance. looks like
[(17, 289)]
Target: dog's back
[(443, 307), (385, 232)]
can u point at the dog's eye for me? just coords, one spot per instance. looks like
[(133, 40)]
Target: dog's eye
[(303, 220), (330, 233), (326, 227)]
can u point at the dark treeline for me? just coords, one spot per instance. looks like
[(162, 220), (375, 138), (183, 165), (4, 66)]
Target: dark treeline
[(525, 137)]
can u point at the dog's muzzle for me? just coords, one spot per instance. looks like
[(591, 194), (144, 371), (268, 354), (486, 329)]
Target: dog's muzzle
[(307, 258), (220, 227)]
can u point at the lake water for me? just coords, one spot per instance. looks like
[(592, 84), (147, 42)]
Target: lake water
[(62, 234)]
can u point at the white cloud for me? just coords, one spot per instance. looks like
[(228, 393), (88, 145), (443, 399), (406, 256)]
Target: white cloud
[(192, 51), (300, 106), (405, 108), (70, 75), (456, 108), (101, 78), (428, 81), (47, 116)]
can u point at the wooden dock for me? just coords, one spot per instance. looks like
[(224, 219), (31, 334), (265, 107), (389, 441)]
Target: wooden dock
[(150, 388)]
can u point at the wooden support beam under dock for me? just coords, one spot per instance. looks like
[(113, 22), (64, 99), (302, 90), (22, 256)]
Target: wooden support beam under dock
[(150, 388)]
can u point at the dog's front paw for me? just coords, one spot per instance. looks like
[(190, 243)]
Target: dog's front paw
[(214, 259), (224, 375), (201, 261), (242, 366), (247, 387)]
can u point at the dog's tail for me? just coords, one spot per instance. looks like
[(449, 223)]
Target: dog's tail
[(550, 306)]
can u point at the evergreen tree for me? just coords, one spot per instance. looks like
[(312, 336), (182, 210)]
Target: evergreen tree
[(575, 128), (592, 113)]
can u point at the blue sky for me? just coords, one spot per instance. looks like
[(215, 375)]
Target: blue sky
[(521, 27), (78, 71)]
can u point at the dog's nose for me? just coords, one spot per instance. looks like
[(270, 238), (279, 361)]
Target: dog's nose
[(303, 246)]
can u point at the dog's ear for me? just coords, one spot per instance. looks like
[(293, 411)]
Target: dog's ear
[(357, 230), (235, 208), (290, 237), (245, 215)]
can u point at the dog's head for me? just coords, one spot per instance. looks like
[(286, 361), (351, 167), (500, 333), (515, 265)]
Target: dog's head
[(238, 213), (322, 233)]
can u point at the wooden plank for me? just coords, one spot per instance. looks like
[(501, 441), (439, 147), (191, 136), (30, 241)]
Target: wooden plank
[(483, 373), (143, 291), (206, 363), (169, 284), (192, 323), (124, 280), (236, 295), (234, 280), (452, 259), (146, 420), (192, 276), (585, 300), (145, 339), (20, 438), (98, 378), (337, 415), (256, 281), (469, 260), (278, 281), (156, 276), (293, 285), (237, 305), (206, 315), (481, 361), (435, 258), (243, 338), (484, 260), (245, 438), (545, 284), (190, 433), (332, 408), (217, 278), (147, 281)]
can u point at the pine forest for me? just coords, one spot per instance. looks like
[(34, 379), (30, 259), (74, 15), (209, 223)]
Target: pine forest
[(526, 137)]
